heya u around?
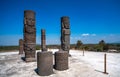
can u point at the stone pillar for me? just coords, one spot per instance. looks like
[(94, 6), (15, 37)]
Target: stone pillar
[(21, 49), (29, 35), (44, 63), (43, 40), (61, 60), (65, 33)]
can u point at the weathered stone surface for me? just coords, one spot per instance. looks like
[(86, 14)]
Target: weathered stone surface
[(61, 60), (43, 40), (45, 63), (29, 35), (65, 22), (65, 33), (21, 49), (29, 38)]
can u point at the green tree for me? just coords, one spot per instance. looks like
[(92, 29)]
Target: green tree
[(79, 44), (86, 47), (103, 45)]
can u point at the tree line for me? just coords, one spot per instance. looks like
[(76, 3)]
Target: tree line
[(101, 46)]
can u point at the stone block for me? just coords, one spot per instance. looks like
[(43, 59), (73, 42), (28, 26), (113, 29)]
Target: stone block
[(45, 63), (61, 60)]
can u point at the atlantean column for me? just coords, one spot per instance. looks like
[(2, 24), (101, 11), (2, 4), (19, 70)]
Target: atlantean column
[(43, 40), (21, 49), (65, 33), (29, 35)]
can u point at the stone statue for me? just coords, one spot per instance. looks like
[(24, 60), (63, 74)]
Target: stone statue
[(29, 35), (65, 33)]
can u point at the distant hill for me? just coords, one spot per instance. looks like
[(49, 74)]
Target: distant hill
[(118, 42)]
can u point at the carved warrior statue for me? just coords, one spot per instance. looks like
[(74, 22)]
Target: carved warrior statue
[(29, 35), (65, 33), (43, 40)]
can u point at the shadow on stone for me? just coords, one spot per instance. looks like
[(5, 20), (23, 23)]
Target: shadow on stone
[(70, 55), (23, 58), (36, 70), (54, 66)]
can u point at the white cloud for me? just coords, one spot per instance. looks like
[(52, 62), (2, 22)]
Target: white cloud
[(93, 34), (85, 34)]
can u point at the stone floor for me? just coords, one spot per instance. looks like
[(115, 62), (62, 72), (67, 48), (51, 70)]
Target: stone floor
[(11, 65)]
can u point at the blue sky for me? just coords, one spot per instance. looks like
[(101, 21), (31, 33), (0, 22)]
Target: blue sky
[(90, 20)]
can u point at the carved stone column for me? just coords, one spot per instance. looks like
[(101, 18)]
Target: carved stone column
[(29, 35), (43, 40), (65, 33), (21, 49)]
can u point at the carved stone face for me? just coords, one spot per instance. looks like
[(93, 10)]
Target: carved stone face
[(65, 22), (29, 17), (29, 21), (29, 14), (66, 25)]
